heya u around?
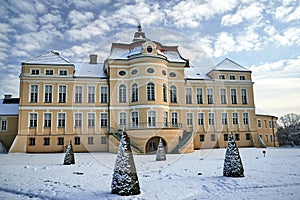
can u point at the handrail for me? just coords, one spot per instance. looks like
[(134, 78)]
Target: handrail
[(118, 136), (184, 141), (146, 125)]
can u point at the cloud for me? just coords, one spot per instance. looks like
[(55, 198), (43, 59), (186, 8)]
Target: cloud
[(288, 37), (225, 43), (79, 19), (251, 12)]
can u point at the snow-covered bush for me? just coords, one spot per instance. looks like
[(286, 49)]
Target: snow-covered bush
[(125, 180), (69, 157), (160, 154), (233, 166)]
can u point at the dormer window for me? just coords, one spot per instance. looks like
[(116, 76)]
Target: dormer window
[(149, 49), (35, 71)]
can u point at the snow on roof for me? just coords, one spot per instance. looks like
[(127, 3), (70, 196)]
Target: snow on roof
[(193, 73), (229, 65), (8, 109), (259, 111), (48, 58), (89, 70)]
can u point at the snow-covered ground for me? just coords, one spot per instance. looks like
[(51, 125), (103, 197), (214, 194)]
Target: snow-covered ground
[(42, 176)]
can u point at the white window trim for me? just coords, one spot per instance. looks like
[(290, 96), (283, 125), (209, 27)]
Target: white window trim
[(66, 93)]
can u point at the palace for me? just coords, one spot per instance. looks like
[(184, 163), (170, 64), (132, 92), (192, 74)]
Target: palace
[(143, 87)]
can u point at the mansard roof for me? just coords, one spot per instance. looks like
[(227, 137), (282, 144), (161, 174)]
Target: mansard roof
[(85, 70), (229, 65), (48, 58)]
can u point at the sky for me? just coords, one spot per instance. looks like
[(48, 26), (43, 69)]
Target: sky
[(261, 35)]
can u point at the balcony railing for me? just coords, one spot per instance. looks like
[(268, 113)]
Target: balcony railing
[(147, 125)]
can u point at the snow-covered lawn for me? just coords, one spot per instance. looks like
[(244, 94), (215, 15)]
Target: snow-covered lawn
[(43, 176)]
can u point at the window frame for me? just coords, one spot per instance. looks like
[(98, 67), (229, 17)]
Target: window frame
[(103, 94)]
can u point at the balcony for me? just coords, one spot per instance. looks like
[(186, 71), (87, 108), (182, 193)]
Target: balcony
[(150, 125)]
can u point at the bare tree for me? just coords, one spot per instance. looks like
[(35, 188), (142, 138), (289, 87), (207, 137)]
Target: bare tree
[(289, 130)]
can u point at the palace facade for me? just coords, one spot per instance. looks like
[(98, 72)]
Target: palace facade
[(143, 87)]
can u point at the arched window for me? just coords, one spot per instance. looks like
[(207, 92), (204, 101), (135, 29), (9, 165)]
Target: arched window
[(173, 94), (150, 92), (164, 93), (122, 93), (134, 93)]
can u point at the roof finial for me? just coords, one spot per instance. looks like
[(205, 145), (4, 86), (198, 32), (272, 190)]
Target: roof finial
[(139, 27)]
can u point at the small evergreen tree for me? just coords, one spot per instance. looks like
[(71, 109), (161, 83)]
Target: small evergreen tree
[(160, 154), (2, 148), (69, 157), (233, 166), (125, 180)]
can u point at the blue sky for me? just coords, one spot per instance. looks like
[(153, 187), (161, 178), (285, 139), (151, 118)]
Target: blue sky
[(263, 36)]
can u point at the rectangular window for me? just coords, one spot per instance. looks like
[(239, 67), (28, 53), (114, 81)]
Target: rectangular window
[(103, 140), (199, 96), (244, 96), (189, 119), (33, 120), (210, 96), (48, 93), (174, 119), (201, 119), (265, 122), (232, 77), (188, 95), (259, 123), (47, 119), (222, 77), (225, 137), (61, 119), (237, 136), (233, 96), (166, 120), (245, 118), (248, 137), (123, 118), (91, 119), (91, 94), (90, 140), (60, 141), (235, 118), (49, 72), (164, 92), (46, 141), (134, 119), (78, 120), (212, 137), (63, 72), (270, 124), (173, 94), (104, 119), (224, 118), (35, 71), (150, 92), (223, 96), (31, 141), (151, 118), (271, 138), (211, 118), (77, 141), (202, 138), (34, 91), (78, 94), (62, 93), (104, 94), (122, 94), (242, 78), (3, 125)]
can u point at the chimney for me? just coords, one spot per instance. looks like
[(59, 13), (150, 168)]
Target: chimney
[(7, 96), (93, 59)]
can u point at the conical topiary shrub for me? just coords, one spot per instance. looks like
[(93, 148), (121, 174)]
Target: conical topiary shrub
[(2, 148), (69, 157), (233, 166), (125, 180), (160, 153)]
